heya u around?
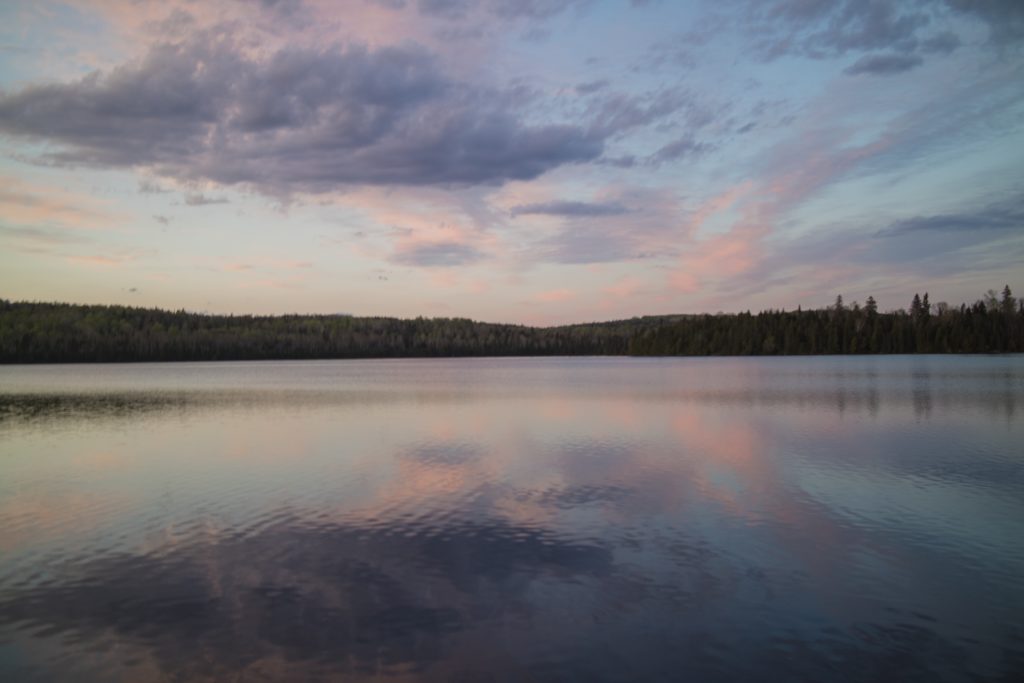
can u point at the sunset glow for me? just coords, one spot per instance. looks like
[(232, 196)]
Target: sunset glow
[(542, 162)]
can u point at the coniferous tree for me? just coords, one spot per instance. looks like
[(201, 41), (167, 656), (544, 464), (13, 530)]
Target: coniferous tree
[(1008, 302), (915, 307)]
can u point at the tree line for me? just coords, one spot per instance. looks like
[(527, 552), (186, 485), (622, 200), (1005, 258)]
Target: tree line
[(990, 325), (32, 332)]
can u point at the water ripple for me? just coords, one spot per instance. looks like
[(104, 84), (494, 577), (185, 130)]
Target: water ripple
[(546, 520)]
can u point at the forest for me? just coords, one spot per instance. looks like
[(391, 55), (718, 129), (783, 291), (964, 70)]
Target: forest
[(32, 332)]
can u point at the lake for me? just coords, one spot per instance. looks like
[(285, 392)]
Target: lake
[(555, 519)]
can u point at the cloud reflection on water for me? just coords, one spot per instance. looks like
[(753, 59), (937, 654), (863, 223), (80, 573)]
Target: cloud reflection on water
[(540, 530)]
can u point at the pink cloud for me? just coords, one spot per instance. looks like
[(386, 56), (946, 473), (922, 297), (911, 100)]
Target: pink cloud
[(684, 282), (108, 260), (798, 169), (624, 288), (555, 295), (265, 264), (445, 279), (717, 204), (423, 227), (35, 204)]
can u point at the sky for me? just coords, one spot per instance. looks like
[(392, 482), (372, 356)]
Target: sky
[(533, 161)]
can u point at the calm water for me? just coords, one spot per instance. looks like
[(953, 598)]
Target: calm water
[(800, 519)]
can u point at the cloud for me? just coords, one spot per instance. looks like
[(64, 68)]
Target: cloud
[(200, 199), (912, 249), (151, 187), (569, 208), (110, 260), (944, 43), (618, 113), (534, 9), (682, 148), (448, 9), (556, 295), (296, 120), (37, 237), (31, 204), (1005, 18), (625, 161), (265, 264), (883, 64), (636, 223), (823, 29), (591, 86), (998, 218), (163, 220), (530, 10), (583, 244), (430, 254), (820, 28)]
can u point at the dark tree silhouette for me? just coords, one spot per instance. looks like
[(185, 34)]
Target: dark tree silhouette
[(56, 333)]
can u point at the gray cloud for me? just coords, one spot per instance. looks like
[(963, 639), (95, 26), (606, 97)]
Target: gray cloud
[(679, 149), (446, 8), (480, 12), (823, 29), (625, 161), (298, 120), (596, 233), (438, 254), (943, 43), (833, 28), (1005, 18), (1000, 218), (583, 244), (151, 187), (617, 113), (883, 65), (569, 208), (591, 86), (505, 9), (534, 9), (200, 199), (922, 245)]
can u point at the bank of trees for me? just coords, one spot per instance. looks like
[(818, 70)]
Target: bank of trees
[(55, 333), (990, 325)]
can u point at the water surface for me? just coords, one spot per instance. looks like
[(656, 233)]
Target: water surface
[(605, 519)]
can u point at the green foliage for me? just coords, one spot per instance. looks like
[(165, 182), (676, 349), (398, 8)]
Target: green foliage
[(61, 333)]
